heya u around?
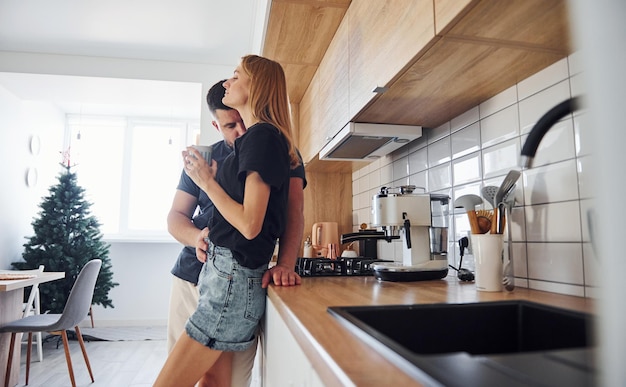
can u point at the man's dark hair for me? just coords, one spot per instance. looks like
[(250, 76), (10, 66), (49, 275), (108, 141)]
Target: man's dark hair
[(214, 97)]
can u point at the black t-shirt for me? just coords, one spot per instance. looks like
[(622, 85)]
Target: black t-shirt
[(187, 266), (261, 149)]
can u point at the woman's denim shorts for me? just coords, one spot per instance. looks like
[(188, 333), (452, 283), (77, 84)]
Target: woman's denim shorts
[(231, 303)]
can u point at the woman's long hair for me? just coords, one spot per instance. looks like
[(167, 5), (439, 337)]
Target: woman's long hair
[(268, 97)]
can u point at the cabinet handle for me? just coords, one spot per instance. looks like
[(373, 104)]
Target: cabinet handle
[(380, 89)]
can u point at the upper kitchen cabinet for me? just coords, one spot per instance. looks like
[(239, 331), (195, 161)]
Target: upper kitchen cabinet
[(384, 37), (324, 108), (487, 47), (334, 84), (310, 138), (372, 45), (435, 58), (298, 35), (539, 25)]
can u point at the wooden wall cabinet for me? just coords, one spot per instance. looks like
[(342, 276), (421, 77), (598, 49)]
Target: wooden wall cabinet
[(437, 58), (482, 48), (310, 140), (374, 43), (324, 108), (334, 84), (384, 37)]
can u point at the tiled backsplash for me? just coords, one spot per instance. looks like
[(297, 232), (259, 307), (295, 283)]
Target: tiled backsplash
[(551, 242)]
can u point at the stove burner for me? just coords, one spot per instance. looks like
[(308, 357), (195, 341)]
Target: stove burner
[(340, 267)]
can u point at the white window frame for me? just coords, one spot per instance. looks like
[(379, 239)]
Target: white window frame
[(188, 134)]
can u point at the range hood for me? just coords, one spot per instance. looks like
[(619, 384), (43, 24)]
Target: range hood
[(367, 142)]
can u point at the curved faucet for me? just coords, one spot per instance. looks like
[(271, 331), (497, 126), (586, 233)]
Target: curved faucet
[(542, 126)]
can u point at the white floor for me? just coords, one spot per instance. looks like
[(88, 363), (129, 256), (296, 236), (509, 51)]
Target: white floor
[(114, 363)]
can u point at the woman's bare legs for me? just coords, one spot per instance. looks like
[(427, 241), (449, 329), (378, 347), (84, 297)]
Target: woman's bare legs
[(220, 374), (187, 363)]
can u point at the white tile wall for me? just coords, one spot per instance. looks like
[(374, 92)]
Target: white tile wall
[(552, 243), (465, 141)]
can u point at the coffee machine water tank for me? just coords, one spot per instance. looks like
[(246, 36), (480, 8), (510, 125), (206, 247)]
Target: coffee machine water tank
[(391, 209)]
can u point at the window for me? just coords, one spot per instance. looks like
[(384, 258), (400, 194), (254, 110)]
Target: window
[(130, 169)]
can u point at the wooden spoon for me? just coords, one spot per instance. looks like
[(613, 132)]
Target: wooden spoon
[(484, 219)]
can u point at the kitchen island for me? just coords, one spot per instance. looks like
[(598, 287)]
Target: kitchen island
[(338, 357)]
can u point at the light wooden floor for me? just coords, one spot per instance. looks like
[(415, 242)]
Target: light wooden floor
[(114, 363)]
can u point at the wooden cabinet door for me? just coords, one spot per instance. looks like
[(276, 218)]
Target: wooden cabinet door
[(334, 85), (324, 109), (384, 38), (310, 140)]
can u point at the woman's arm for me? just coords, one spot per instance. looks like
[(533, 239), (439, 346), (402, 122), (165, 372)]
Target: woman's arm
[(283, 273), (248, 217)]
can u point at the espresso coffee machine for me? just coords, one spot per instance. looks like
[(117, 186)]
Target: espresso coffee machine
[(420, 220)]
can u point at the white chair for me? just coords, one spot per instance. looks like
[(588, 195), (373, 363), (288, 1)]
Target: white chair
[(32, 306)]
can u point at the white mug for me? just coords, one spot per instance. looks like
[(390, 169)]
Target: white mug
[(205, 151)]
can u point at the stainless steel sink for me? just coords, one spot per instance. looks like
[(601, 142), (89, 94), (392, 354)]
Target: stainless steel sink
[(494, 342)]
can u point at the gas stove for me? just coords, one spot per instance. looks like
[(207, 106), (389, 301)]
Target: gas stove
[(340, 267)]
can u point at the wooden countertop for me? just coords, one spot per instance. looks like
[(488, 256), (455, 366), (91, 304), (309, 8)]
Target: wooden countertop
[(342, 359)]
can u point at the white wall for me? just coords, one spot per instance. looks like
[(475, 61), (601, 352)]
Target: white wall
[(143, 273), (19, 121)]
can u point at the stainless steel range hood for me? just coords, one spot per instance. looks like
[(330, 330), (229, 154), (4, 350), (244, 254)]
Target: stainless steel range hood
[(367, 142)]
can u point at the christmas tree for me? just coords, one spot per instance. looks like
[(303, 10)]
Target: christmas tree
[(66, 237)]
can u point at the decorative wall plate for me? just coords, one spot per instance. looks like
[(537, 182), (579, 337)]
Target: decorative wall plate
[(31, 177), (35, 144)]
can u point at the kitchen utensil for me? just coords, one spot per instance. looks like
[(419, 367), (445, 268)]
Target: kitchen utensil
[(469, 203), (505, 188), (489, 193), (485, 219), (509, 277)]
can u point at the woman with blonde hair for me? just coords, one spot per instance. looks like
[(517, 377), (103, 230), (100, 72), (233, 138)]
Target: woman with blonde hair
[(249, 191)]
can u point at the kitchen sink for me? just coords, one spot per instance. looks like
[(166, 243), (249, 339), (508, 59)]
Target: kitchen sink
[(512, 342)]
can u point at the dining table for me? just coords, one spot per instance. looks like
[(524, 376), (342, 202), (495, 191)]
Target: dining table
[(11, 309)]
